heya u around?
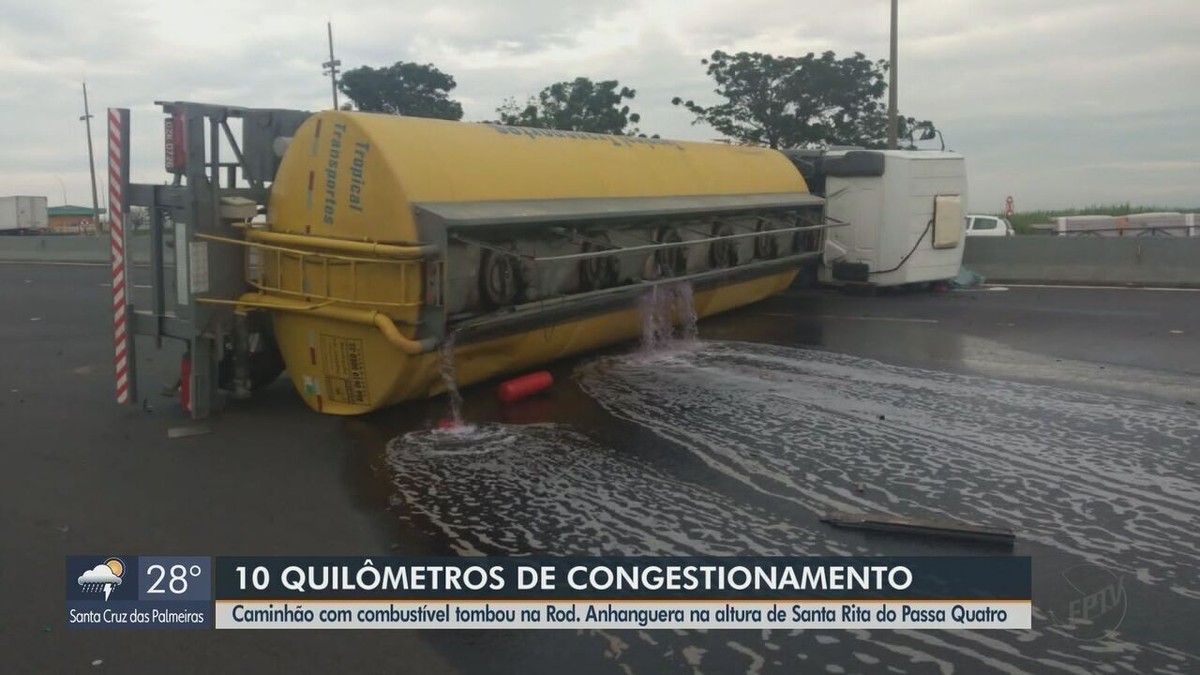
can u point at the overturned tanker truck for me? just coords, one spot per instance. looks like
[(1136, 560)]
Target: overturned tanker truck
[(352, 250)]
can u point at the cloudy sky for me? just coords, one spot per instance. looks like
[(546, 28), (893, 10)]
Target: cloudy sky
[(1055, 102)]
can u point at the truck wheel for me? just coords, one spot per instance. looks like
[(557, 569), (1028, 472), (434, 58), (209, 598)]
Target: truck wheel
[(499, 279), (265, 362), (766, 246), (671, 262), (722, 253), (600, 272)]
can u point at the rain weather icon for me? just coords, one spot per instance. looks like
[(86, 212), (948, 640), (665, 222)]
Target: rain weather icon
[(103, 577)]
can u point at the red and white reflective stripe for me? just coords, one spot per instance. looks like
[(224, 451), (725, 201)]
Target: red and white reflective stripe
[(116, 224)]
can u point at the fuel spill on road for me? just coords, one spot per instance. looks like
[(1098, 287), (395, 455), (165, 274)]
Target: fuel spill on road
[(727, 448)]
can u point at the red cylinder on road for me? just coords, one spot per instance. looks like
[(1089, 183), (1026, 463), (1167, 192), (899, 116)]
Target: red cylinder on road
[(525, 386)]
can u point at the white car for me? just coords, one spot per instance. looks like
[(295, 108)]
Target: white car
[(988, 226)]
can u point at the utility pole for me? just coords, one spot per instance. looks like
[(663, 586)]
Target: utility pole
[(893, 129), (62, 185), (87, 119), (331, 66)]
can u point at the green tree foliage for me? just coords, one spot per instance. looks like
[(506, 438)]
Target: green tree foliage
[(412, 89), (578, 105), (138, 218), (806, 101)]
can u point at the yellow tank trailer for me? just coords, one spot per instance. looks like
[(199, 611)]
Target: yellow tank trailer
[(385, 237)]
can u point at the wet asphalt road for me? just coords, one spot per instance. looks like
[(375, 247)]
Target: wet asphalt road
[(1068, 414)]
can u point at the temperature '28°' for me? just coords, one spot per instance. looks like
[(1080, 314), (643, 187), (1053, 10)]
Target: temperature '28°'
[(174, 578)]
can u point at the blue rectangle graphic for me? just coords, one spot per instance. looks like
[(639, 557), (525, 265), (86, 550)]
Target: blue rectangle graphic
[(658, 578), (139, 592)]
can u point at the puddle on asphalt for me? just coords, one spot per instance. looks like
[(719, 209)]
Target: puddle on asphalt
[(551, 488), (460, 440), (1103, 479), (1110, 479)]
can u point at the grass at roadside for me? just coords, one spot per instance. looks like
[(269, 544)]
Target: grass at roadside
[(1022, 220)]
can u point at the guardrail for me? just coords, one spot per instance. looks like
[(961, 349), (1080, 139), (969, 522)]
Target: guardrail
[(69, 249)]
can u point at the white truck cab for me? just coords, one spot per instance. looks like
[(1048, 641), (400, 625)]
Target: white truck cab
[(904, 209)]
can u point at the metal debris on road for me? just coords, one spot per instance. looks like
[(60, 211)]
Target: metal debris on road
[(949, 529), (184, 432)]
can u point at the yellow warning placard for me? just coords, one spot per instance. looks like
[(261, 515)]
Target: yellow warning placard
[(345, 365)]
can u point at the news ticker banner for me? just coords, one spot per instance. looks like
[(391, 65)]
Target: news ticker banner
[(197, 592)]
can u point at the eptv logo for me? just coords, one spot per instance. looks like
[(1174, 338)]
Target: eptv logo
[(1090, 603), (1093, 606)]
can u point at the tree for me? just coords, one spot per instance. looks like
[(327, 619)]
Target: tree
[(807, 101), (578, 105), (138, 218), (413, 89)]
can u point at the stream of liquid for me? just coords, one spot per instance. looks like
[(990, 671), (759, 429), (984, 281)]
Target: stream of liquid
[(449, 373), (659, 308)]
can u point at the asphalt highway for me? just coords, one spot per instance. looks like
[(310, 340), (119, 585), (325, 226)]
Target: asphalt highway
[(1069, 415)]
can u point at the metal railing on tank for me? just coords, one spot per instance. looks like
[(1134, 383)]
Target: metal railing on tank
[(267, 265)]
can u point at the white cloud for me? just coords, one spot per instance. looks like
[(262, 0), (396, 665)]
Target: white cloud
[(100, 574), (1058, 104)]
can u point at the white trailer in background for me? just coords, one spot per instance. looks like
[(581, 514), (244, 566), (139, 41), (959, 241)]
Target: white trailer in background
[(905, 210), (1167, 224), (22, 214)]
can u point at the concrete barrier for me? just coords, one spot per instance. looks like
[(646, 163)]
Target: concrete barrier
[(67, 248), (1140, 261)]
